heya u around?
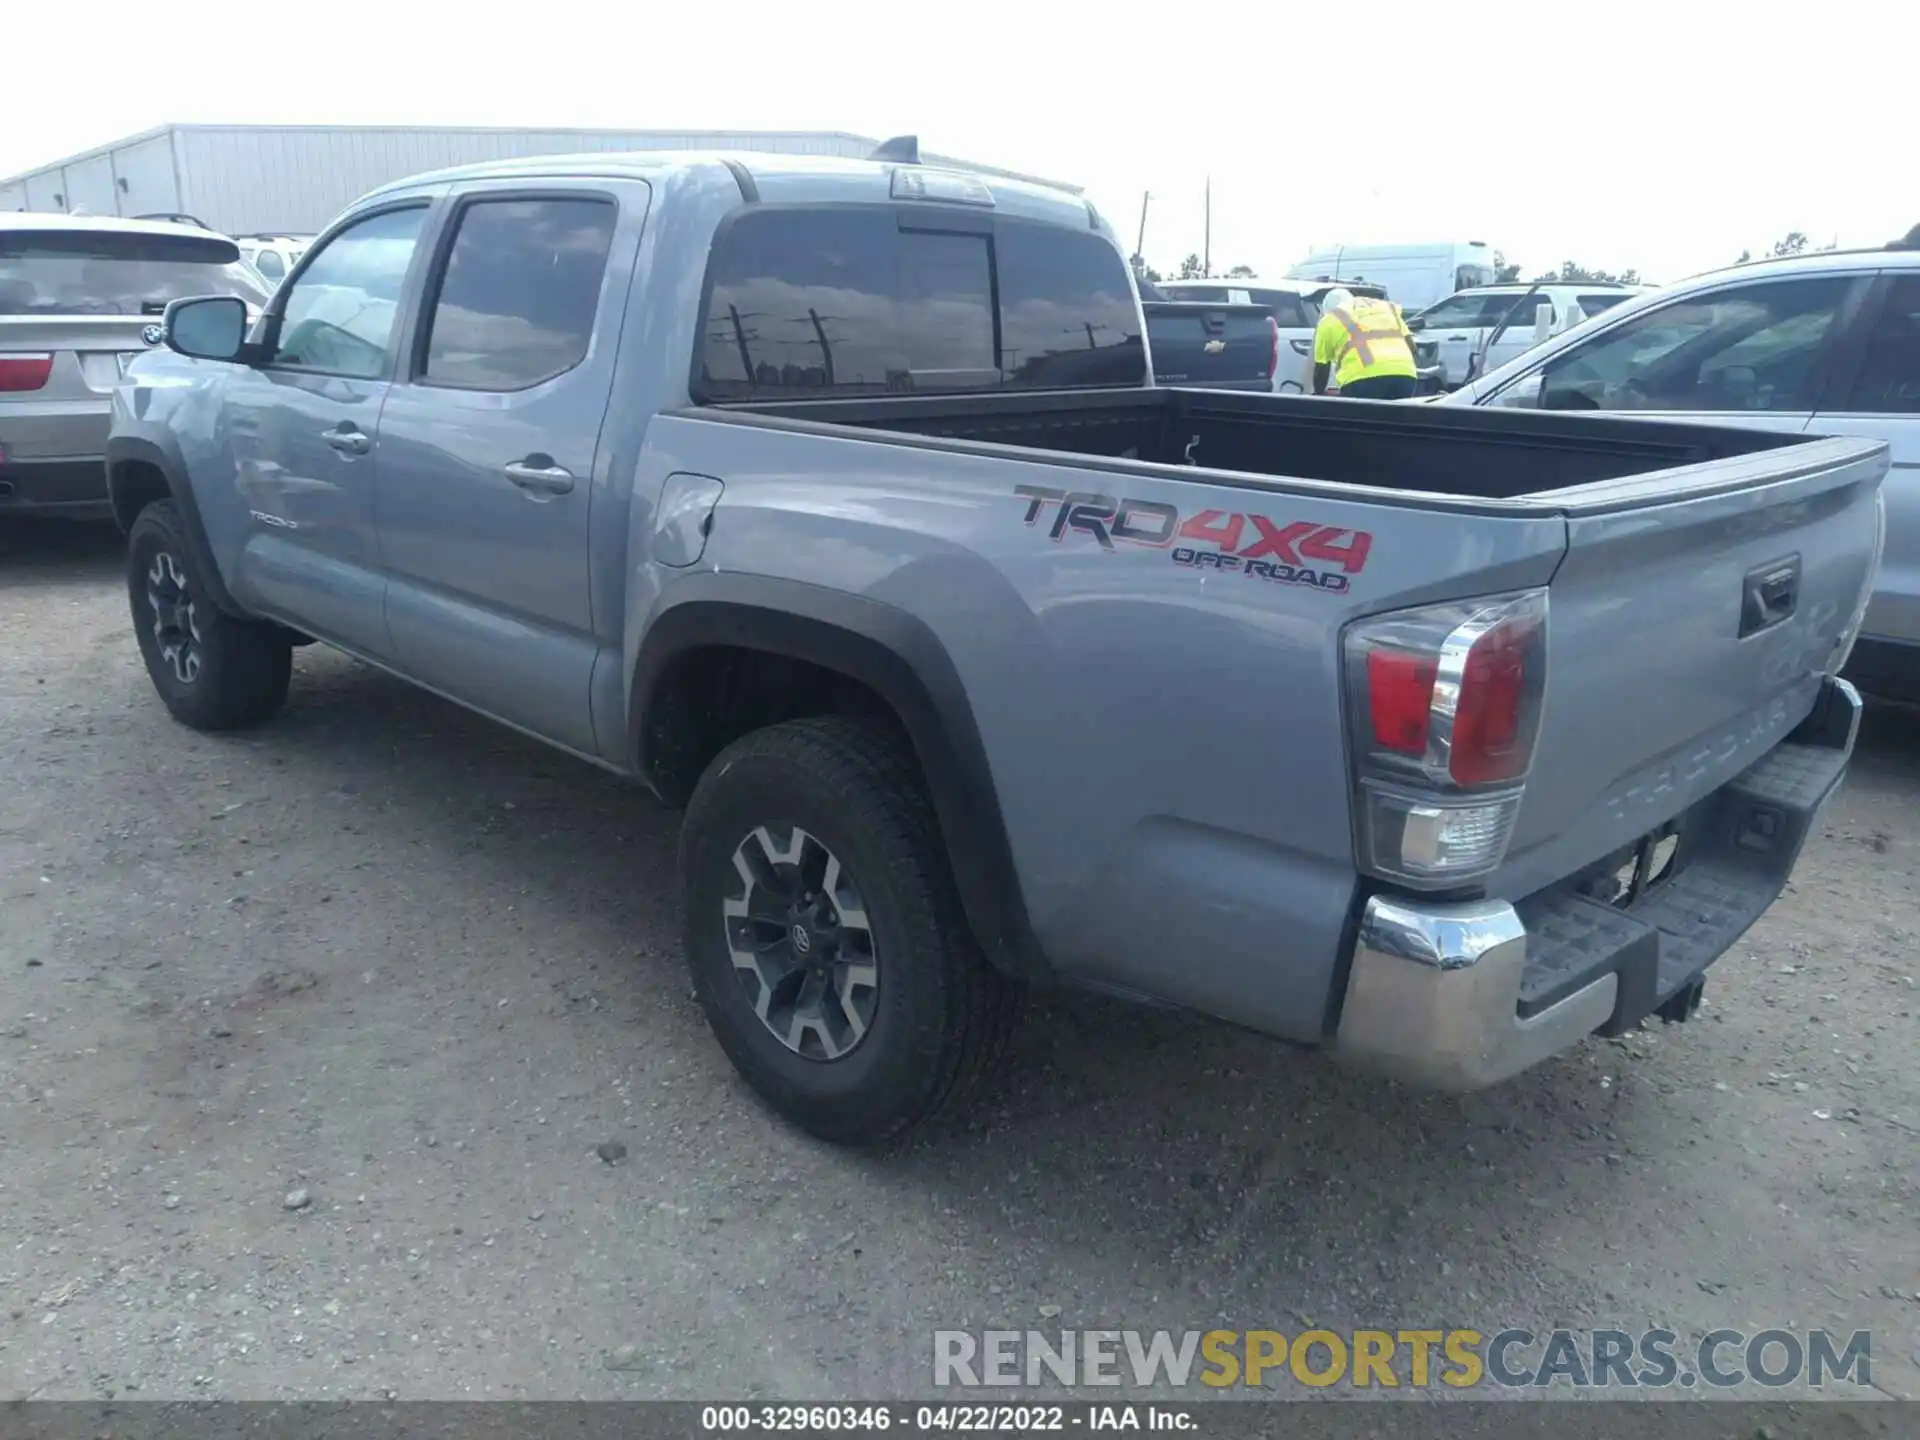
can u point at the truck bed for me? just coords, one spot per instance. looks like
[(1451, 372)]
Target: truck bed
[(1485, 454)]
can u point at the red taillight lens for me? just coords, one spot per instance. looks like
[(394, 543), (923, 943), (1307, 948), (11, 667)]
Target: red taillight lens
[(1446, 703), (1400, 699), (24, 372), (1273, 336), (1487, 731), (1451, 693)]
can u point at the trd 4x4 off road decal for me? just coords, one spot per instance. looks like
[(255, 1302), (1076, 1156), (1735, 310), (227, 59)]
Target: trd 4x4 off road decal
[(1296, 553)]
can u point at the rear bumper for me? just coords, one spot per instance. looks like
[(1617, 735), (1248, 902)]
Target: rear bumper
[(54, 487), (1458, 997)]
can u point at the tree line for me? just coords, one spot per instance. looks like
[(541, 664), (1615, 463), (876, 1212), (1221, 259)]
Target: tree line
[(1506, 272)]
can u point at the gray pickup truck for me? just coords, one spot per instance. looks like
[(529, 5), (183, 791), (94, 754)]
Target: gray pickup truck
[(830, 500)]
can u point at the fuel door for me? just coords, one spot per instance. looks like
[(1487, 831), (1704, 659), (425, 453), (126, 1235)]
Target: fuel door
[(684, 518)]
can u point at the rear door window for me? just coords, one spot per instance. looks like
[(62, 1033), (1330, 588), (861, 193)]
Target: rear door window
[(516, 302), (1889, 381), (116, 272), (849, 301)]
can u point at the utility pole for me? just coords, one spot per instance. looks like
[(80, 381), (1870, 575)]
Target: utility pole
[(1140, 242), (1206, 243)]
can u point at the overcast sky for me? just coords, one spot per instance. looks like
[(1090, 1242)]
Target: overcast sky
[(1616, 135)]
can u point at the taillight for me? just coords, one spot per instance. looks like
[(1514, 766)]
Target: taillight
[(1273, 348), (24, 372), (1445, 705)]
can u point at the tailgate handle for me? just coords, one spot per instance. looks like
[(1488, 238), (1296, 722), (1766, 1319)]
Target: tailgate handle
[(1771, 592)]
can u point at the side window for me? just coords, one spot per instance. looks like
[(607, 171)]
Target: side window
[(1889, 382), (1757, 347), (1517, 311), (1462, 312), (517, 298), (846, 302), (339, 315), (268, 263)]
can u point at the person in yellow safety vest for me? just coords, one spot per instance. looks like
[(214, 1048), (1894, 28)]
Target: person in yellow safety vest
[(1365, 346)]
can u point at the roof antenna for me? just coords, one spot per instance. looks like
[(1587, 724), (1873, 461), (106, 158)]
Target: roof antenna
[(903, 149)]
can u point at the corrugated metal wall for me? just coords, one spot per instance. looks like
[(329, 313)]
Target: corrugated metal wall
[(293, 179)]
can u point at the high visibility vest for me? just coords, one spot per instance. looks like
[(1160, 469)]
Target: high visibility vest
[(1364, 340)]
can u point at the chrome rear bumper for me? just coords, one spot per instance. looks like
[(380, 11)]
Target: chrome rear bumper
[(1461, 996), (1433, 997)]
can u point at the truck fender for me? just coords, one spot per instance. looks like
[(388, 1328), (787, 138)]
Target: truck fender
[(132, 461), (897, 657)]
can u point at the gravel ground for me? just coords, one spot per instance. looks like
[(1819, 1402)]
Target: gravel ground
[(311, 1037)]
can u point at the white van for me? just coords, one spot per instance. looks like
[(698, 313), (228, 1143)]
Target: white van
[(1414, 276)]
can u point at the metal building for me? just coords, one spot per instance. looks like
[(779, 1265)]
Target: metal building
[(293, 179)]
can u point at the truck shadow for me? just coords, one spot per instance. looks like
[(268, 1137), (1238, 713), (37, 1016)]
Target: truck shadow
[(38, 554), (1220, 1166), (1142, 1152)]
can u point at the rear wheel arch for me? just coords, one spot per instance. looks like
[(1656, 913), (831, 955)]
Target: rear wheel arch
[(795, 651)]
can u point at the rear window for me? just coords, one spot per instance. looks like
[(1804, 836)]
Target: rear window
[(1594, 304), (1289, 311), (844, 301), (1201, 294), (77, 272)]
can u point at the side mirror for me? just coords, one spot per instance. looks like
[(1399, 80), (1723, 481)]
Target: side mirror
[(212, 327)]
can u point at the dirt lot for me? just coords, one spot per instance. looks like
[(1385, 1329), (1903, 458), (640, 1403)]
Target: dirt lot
[(385, 954)]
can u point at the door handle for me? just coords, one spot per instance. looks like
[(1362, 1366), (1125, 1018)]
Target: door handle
[(348, 442), (547, 479)]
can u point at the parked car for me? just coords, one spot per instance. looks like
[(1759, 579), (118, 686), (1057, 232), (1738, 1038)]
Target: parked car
[(273, 255), (1218, 345), (1824, 344), (1477, 331), (1415, 276), (80, 298), (1295, 306), (795, 489)]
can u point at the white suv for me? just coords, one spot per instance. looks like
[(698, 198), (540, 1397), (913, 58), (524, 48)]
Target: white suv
[(1825, 344), (1462, 325)]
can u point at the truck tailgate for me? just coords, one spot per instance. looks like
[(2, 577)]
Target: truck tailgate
[(1196, 343), (1690, 624)]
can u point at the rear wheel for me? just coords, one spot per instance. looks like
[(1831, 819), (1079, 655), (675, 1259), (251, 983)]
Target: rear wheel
[(825, 936), (212, 671)]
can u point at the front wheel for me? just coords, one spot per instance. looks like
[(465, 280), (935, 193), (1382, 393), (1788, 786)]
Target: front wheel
[(212, 671), (825, 935)]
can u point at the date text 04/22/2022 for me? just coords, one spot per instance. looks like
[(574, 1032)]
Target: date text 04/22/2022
[(961, 1417)]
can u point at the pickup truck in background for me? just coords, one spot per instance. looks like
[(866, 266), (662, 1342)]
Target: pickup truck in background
[(830, 500), (1212, 344)]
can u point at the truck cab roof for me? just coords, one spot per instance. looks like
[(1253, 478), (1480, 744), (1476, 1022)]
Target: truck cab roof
[(772, 178)]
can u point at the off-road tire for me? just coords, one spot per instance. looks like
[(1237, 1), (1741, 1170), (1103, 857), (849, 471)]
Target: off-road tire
[(235, 672), (942, 1013)]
